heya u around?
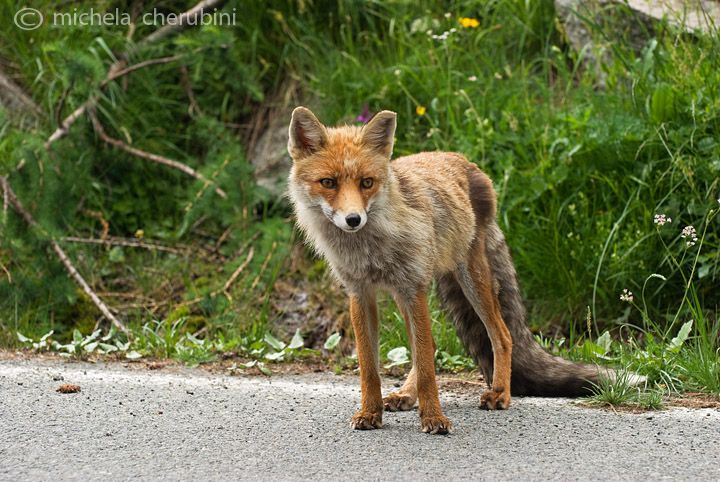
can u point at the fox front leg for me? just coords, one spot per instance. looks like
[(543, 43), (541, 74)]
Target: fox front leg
[(364, 316)]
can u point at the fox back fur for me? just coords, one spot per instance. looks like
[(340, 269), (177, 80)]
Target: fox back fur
[(397, 226)]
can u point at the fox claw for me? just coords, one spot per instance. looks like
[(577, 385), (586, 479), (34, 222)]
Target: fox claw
[(439, 424), (495, 400), (398, 402), (366, 421)]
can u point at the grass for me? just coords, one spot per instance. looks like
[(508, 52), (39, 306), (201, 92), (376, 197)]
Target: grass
[(583, 160)]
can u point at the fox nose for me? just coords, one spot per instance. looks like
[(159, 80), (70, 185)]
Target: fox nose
[(353, 220)]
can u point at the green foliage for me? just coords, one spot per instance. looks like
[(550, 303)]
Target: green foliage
[(79, 345), (583, 159)]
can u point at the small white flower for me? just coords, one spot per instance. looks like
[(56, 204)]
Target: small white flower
[(626, 295), (661, 219), (472, 78), (397, 71), (448, 15), (689, 232)]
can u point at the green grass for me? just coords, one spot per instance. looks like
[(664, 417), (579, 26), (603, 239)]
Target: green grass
[(582, 167)]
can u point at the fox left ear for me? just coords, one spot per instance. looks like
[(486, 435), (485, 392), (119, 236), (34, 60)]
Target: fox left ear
[(307, 135), (379, 133)]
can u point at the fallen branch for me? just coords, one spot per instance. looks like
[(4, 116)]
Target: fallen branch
[(149, 156), (126, 243), (17, 205)]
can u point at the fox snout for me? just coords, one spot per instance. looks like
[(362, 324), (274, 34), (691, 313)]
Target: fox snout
[(350, 221)]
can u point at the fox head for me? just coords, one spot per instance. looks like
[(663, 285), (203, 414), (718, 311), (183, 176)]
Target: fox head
[(340, 171)]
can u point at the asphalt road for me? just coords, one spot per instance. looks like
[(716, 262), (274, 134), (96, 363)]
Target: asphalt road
[(192, 425)]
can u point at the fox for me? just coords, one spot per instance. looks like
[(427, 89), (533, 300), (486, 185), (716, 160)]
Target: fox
[(397, 225)]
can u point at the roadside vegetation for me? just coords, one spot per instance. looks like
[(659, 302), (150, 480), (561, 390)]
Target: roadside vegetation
[(606, 160)]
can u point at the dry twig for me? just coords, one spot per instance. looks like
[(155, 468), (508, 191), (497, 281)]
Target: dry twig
[(127, 243), (182, 22), (6, 272), (119, 73), (99, 216), (264, 266)]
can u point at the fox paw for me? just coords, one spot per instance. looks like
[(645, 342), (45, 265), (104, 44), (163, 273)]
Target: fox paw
[(493, 400), (397, 401), (438, 424), (366, 421)]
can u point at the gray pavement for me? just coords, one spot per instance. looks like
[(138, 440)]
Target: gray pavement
[(193, 425)]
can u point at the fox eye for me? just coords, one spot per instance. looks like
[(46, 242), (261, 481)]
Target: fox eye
[(367, 183), (328, 183)]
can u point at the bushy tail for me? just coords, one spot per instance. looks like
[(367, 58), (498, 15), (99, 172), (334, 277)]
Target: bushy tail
[(534, 370)]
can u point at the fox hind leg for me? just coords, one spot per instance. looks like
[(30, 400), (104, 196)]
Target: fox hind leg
[(406, 397), (476, 281), (417, 317)]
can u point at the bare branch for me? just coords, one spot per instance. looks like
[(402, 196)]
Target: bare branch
[(185, 20), (127, 243), (64, 127), (119, 73), (149, 156), (17, 205)]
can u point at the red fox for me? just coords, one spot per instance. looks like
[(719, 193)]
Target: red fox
[(397, 226)]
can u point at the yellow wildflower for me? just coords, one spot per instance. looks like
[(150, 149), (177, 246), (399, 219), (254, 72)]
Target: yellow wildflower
[(420, 110), (139, 233), (468, 22)]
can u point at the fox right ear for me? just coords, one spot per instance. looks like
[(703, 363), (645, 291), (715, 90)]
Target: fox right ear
[(307, 134)]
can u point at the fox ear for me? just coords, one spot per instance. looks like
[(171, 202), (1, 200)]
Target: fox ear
[(307, 134), (378, 134)]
